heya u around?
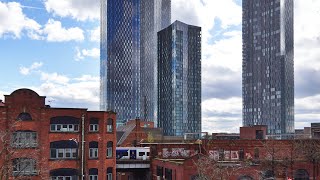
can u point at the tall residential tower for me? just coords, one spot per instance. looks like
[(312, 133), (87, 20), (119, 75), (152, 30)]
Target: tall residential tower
[(268, 65), (179, 79), (127, 55)]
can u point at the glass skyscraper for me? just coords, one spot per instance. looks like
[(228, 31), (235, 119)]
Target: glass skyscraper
[(127, 46), (179, 79), (156, 15), (268, 65)]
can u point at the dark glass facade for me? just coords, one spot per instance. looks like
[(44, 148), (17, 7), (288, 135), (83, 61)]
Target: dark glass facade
[(179, 79), (155, 16), (268, 65), (126, 26)]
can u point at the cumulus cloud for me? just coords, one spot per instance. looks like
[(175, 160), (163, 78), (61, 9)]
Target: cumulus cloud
[(56, 33), (92, 53), (54, 78), (80, 10), (76, 94), (27, 70), (95, 34), (204, 13), (14, 22), (63, 91)]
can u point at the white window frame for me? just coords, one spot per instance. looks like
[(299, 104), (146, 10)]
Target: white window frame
[(93, 177), (109, 176), (109, 152), (109, 128), (24, 139), (59, 177), (93, 153), (64, 128), (64, 151), (94, 128), (25, 166)]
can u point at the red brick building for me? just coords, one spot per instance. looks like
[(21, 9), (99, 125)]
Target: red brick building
[(235, 159), (136, 131), (41, 142)]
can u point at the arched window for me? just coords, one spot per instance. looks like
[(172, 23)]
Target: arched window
[(64, 124), (24, 117), (93, 149), (94, 125), (64, 174), (24, 139), (66, 149), (109, 149), (24, 166), (109, 173), (109, 125), (301, 174), (93, 174)]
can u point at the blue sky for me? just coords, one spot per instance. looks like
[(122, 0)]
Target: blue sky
[(52, 47)]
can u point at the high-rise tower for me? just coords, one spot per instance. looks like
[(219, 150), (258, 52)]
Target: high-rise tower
[(155, 16), (179, 79), (127, 46), (268, 65)]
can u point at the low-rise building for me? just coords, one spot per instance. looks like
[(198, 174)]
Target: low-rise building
[(315, 130), (42, 142)]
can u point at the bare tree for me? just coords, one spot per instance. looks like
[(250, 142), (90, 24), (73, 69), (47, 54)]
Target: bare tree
[(308, 150), (277, 157), (210, 169), (14, 161)]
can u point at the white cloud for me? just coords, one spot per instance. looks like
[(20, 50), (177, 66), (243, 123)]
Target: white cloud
[(95, 34), (204, 13), (222, 115), (77, 9), (311, 103), (78, 92), (14, 21), (307, 33), (54, 78), (2, 93), (56, 33), (87, 78), (225, 53), (28, 70), (220, 106), (92, 53)]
